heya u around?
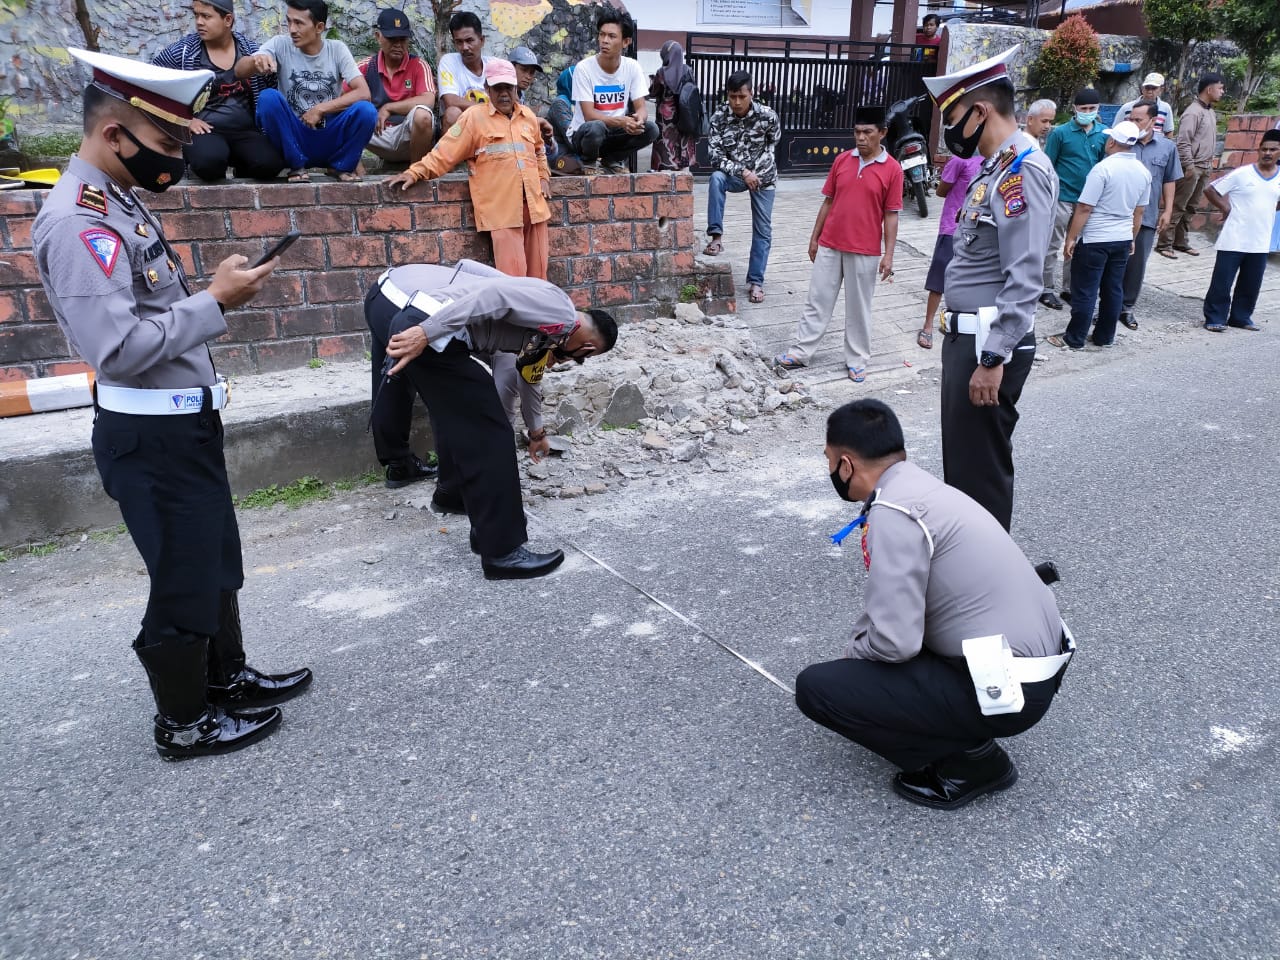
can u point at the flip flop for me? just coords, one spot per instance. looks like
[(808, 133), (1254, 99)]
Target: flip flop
[(787, 362), (755, 293), (1168, 253), (345, 176), (857, 374), (925, 339), (299, 176), (714, 248)]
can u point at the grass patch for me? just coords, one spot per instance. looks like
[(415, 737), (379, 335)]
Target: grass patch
[(106, 536), (689, 293), (4, 556), (42, 549), (293, 495), (366, 479), (51, 144), (315, 363), (609, 427)]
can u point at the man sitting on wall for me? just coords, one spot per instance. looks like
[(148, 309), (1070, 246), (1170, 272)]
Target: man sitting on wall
[(403, 90), (462, 72)]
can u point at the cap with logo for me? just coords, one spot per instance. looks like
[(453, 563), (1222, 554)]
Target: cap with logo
[(500, 71), (948, 88), (1125, 132), (170, 99), (524, 57), (1153, 80), (393, 24)]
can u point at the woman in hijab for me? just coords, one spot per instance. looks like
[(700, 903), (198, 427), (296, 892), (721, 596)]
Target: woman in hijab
[(672, 150)]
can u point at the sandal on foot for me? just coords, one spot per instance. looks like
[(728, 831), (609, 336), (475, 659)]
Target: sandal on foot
[(925, 339), (857, 374), (299, 176), (786, 361), (713, 248), (345, 176), (1168, 253), (1058, 340), (755, 293)]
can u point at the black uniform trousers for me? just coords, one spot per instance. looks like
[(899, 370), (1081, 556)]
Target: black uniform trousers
[(246, 149), (474, 442), (169, 476), (911, 713), (977, 442), (391, 416)]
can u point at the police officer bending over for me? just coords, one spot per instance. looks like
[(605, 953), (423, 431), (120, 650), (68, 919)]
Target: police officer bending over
[(927, 681), (121, 296), (430, 318)]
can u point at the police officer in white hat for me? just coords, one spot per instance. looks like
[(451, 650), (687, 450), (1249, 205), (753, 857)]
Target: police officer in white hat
[(120, 295), (993, 281)]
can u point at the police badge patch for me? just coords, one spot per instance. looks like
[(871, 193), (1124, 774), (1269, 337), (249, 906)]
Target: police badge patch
[(1011, 192), (105, 247)]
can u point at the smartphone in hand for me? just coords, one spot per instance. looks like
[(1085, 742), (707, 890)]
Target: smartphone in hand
[(285, 243)]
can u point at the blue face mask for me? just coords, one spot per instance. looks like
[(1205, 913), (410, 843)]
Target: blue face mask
[(1084, 119)]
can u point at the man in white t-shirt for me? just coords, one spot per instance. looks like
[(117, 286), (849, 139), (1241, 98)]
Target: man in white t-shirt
[(1247, 198), (610, 118), (462, 72), (1100, 238), (309, 117)]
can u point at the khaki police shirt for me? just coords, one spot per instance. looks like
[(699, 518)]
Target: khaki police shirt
[(119, 295), (943, 572), (1001, 239)]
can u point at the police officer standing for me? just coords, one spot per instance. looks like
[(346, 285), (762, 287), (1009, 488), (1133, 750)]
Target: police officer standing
[(120, 295), (993, 281)]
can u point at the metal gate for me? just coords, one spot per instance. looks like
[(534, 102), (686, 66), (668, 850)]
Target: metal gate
[(813, 86)]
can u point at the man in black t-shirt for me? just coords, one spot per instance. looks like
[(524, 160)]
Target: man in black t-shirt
[(225, 131)]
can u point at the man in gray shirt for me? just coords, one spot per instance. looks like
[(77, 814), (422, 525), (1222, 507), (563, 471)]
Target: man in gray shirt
[(1158, 154), (429, 319), (940, 570)]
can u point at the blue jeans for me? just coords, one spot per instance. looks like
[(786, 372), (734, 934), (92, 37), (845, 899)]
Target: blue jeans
[(1097, 269), (1221, 305), (761, 218), (337, 144)]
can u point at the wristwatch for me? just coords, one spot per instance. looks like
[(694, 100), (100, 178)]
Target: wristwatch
[(989, 359)]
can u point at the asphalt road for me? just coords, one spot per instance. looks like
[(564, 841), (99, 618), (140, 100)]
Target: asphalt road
[(563, 769)]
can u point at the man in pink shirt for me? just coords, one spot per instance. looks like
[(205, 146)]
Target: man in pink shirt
[(860, 213), (952, 185)]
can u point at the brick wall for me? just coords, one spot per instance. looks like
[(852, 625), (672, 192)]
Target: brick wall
[(624, 243)]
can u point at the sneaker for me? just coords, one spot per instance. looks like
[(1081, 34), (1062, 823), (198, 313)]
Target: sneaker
[(615, 168), (407, 470)]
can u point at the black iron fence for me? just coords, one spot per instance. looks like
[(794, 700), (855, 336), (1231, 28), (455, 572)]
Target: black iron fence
[(813, 85)]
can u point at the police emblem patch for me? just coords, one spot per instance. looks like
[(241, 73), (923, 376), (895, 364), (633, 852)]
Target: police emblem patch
[(1011, 192), (979, 193), (105, 247)]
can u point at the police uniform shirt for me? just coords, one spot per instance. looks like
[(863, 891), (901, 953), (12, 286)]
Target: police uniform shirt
[(945, 571), (1001, 239), (119, 294)]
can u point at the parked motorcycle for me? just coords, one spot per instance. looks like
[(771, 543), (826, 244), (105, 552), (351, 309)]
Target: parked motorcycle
[(911, 150)]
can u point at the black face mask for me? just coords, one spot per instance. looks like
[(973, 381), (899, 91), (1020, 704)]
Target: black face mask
[(152, 169), (842, 486), (578, 356), (963, 147)]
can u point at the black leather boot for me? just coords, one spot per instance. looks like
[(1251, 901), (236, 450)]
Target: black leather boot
[(956, 780), (185, 724), (234, 684)]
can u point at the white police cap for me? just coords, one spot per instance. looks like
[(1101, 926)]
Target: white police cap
[(169, 98), (947, 89)]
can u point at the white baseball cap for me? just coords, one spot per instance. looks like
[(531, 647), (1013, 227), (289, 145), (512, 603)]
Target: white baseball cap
[(1153, 80), (1125, 132)]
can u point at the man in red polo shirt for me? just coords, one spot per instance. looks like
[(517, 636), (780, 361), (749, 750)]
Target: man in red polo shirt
[(860, 213), (403, 90)]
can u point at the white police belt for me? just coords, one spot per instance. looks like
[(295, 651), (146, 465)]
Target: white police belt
[(418, 300), (154, 403), (998, 675), (962, 323)]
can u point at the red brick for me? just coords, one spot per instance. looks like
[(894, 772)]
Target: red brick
[(447, 190), (260, 223), (233, 359), (21, 269), (458, 245), (307, 254), (633, 208), (347, 346), (608, 294), (208, 225), (368, 251), (608, 186), (66, 368), (281, 355), (296, 195), (684, 182), (19, 232), (665, 289), (170, 200), (568, 241), (1258, 124), (655, 235), (558, 272), (280, 290), (1239, 141), (581, 297), (592, 269), (16, 372), (231, 196), (333, 286), (568, 186), (39, 309), (10, 308), (633, 266), (415, 248), (31, 341), (586, 211), (17, 203), (437, 216), (212, 252), (383, 219), (678, 264), (653, 183), (424, 191), (344, 194), (187, 254), (326, 220), (302, 321), (684, 234), (245, 325), (349, 316), (611, 237), (677, 205)]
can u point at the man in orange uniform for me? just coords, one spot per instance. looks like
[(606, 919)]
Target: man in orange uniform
[(510, 179)]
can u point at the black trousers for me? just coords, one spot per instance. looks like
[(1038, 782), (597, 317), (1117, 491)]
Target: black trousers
[(977, 442), (169, 477), (247, 150), (911, 713), (474, 441), (391, 414)]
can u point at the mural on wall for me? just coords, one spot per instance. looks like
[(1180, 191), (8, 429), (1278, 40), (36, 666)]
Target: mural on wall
[(43, 84)]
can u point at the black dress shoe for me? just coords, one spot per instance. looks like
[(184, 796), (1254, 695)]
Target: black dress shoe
[(520, 564), (1128, 320), (447, 503), (407, 470), (956, 780), (1050, 300), (250, 689), (218, 731), (1047, 571)]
